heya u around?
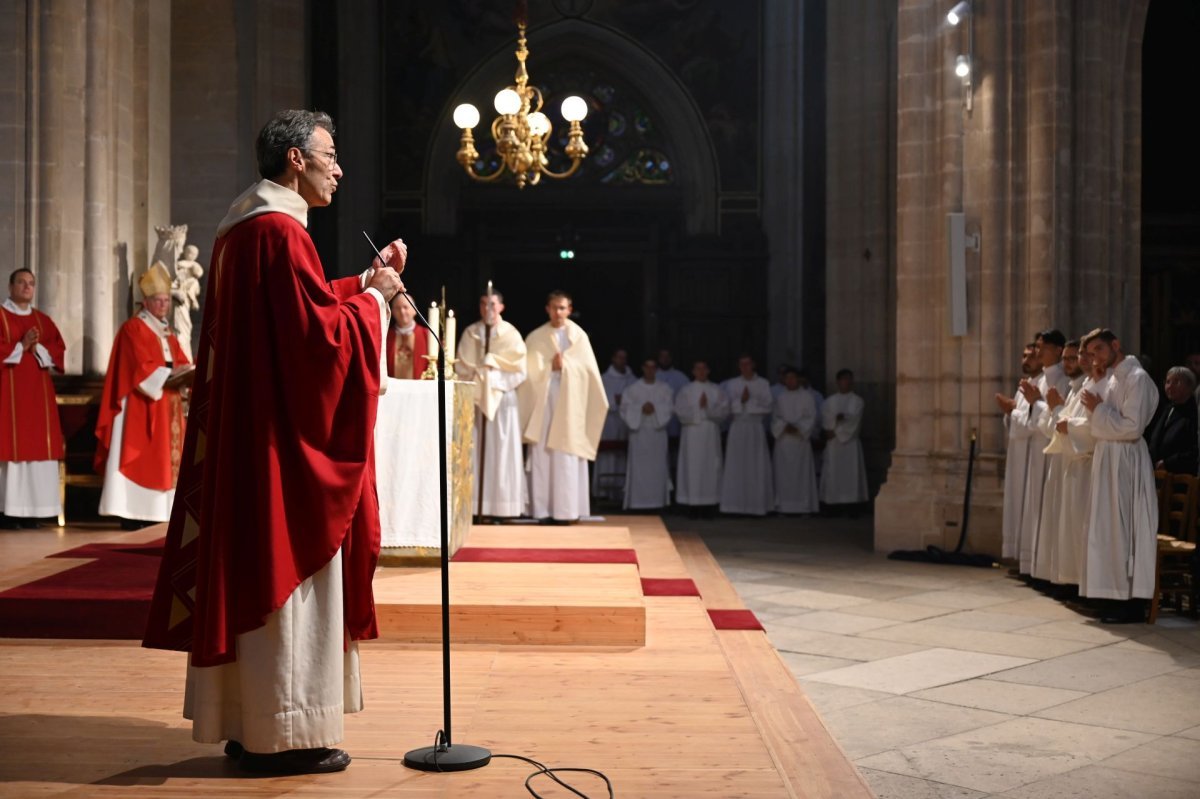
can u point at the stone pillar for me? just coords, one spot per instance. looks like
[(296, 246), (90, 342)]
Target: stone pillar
[(860, 193), (1031, 157)]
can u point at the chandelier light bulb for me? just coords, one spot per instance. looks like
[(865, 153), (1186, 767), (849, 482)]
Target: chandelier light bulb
[(960, 10), (574, 109), (507, 102), (962, 66), (466, 116), (539, 124)]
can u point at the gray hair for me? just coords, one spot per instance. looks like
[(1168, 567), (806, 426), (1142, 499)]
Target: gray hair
[(287, 129), (1183, 373)]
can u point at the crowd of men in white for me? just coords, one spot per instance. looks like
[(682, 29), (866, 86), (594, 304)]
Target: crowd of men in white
[(750, 477), (1080, 505)]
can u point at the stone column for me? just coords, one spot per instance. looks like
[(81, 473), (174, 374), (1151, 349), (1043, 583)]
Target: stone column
[(1034, 153), (860, 192)]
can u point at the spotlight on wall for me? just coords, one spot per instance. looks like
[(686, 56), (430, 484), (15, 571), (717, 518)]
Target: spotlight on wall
[(960, 10), (962, 66)]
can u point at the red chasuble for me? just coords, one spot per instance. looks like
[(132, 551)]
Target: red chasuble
[(407, 364), (29, 425), (279, 464), (152, 437)]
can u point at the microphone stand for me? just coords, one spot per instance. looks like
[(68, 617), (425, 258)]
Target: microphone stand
[(444, 755)]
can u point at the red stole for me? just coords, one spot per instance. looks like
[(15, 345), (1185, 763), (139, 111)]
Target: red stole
[(29, 424), (279, 464)]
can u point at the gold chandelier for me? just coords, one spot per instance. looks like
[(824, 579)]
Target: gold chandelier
[(522, 131)]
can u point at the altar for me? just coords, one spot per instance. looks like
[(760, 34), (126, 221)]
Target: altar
[(406, 466)]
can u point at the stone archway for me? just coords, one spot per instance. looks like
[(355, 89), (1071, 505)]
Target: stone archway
[(683, 124)]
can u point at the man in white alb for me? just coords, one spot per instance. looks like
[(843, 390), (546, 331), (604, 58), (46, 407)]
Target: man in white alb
[(746, 486), (1016, 461), (1123, 518), (1050, 533), (792, 423), (491, 353), (646, 407), (608, 473), (1049, 347), (1076, 424), (562, 414), (701, 407), (843, 473)]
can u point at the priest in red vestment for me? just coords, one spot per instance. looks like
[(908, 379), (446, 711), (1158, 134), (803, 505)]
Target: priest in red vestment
[(139, 427), (407, 342), (31, 440), (266, 575)]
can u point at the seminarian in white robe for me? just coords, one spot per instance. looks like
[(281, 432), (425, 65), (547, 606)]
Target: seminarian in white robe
[(698, 472), (843, 472), (647, 407), (562, 414), (1016, 465), (1123, 520), (497, 374), (746, 482), (1071, 561), (1039, 466), (608, 473), (792, 422), (1050, 546)]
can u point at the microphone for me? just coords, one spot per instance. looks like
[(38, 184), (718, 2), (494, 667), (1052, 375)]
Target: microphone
[(417, 310)]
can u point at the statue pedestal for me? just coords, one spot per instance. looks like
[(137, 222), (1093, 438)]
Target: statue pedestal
[(406, 465)]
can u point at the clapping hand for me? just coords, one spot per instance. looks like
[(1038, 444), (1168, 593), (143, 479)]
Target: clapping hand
[(1053, 398), (1090, 400), (30, 338), (1007, 404), (1031, 392)]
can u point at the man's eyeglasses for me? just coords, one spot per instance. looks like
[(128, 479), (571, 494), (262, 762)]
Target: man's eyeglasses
[(331, 155)]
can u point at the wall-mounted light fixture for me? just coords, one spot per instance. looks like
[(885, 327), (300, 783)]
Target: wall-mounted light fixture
[(964, 65)]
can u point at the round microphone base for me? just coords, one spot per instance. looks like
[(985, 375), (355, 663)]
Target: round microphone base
[(457, 757)]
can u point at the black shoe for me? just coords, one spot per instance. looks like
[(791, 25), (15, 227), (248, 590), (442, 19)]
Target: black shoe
[(296, 761), (1132, 611), (9, 523), (29, 524), (234, 749), (134, 524)]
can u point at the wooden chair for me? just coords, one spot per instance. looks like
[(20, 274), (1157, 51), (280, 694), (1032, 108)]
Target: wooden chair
[(1173, 577), (78, 413)]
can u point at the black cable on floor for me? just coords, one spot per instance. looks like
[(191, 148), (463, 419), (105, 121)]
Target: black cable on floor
[(439, 744)]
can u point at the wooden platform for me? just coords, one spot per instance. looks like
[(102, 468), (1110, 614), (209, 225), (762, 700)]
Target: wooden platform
[(694, 713), (568, 604)]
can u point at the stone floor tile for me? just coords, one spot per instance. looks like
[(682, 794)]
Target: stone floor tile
[(1192, 734), (1176, 758), (1003, 697), (1166, 704), (748, 573), (896, 786), (1097, 782), (1007, 755), (1089, 630), (807, 664), (1041, 607), (811, 642), (832, 621), (747, 589), (932, 632), (988, 621), (827, 698), (1094, 670), (913, 672), (871, 727), (1161, 643), (816, 600), (956, 600), (900, 611)]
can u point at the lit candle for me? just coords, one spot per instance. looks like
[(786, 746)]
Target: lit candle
[(450, 328), (488, 318), (431, 338)]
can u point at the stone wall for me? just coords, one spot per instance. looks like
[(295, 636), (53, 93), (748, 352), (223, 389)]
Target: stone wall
[(1046, 169)]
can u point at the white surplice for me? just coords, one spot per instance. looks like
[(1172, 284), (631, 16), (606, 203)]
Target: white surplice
[(746, 485), (1036, 473), (1071, 560), (795, 474), (1048, 547), (698, 471), (292, 681), (608, 473), (647, 476), (1122, 546), (843, 471), (558, 481)]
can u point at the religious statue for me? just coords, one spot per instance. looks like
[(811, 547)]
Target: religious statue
[(185, 295)]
